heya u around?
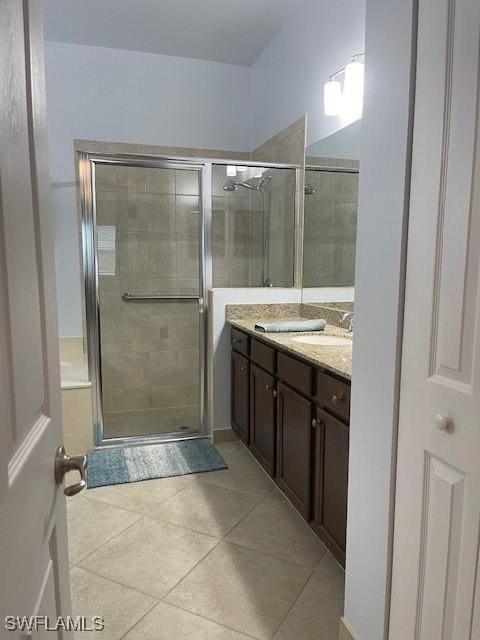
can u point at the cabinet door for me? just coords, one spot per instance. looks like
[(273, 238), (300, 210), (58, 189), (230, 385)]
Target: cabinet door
[(331, 481), (262, 418), (294, 429), (240, 396)]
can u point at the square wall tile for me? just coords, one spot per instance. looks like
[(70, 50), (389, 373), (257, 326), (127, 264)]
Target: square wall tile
[(187, 182), (160, 181), (162, 260)]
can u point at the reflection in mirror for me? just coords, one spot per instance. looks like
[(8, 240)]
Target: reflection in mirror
[(331, 200)]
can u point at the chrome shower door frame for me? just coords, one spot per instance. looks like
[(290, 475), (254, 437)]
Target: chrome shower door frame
[(87, 165)]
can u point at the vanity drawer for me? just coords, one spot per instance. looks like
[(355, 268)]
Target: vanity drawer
[(333, 395), (295, 373), (263, 355), (240, 342)]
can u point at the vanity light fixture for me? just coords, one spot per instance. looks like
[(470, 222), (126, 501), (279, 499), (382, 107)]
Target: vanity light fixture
[(332, 96), (349, 102)]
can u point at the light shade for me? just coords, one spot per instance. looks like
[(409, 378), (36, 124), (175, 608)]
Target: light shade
[(352, 100), (332, 97)]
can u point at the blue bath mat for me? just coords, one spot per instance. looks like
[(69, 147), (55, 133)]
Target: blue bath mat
[(131, 464)]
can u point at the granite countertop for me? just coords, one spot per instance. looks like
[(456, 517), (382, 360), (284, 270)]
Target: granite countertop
[(337, 359)]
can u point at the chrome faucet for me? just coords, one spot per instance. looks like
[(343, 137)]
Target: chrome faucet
[(348, 318)]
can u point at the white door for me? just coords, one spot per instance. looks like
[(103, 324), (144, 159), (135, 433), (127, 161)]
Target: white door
[(33, 543), (435, 582)]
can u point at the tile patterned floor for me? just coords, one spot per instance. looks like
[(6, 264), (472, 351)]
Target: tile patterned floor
[(217, 556)]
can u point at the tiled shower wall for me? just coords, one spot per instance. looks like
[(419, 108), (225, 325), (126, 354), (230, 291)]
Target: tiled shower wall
[(289, 146), (330, 226), (238, 220), (149, 350)]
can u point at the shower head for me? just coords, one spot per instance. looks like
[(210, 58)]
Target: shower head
[(262, 181), (309, 190), (232, 185)]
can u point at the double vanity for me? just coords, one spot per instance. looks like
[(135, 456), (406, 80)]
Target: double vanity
[(290, 404)]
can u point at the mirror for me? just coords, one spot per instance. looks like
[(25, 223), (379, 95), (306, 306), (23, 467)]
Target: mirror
[(331, 201)]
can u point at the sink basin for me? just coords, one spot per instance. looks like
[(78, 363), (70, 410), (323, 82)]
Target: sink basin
[(326, 341)]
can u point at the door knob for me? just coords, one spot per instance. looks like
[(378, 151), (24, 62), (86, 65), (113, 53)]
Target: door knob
[(443, 423), (65, 463)]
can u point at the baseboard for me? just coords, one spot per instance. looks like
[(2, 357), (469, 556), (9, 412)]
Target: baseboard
[(345, 632), (224, 435)]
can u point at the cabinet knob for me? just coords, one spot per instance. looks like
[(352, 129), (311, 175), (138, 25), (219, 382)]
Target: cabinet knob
[(274, 393), (314, 423), (243, 368), (336, 399), (268, 386), (237, 341)]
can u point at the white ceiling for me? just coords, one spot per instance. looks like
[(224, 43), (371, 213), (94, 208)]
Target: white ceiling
[(232, 31)]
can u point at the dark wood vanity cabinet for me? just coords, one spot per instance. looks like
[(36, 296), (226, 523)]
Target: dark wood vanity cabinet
[(301, 438), (331, 482), (262, 418), (240, 342), (294, 428), (240, 396)]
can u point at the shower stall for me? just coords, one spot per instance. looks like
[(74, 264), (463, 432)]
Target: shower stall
[(157, 233)]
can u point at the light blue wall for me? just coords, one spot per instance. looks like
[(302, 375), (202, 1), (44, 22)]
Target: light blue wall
[(381, 239), (97, 93), (288, 78)]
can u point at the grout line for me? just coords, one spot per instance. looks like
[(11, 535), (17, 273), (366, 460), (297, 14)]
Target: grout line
[(140, 619), (203, 617), (290, 608), (268, 555), (248, 493), (122, 584), (107, 541), (181, 526), (321, 560), (247, 514), (210, 535), (131, 510), (190, 571)]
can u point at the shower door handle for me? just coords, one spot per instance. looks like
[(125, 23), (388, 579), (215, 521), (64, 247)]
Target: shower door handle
[(65, 463), (128, 297)]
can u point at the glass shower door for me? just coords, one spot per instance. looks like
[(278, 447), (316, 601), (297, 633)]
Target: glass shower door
[(148, 250)]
